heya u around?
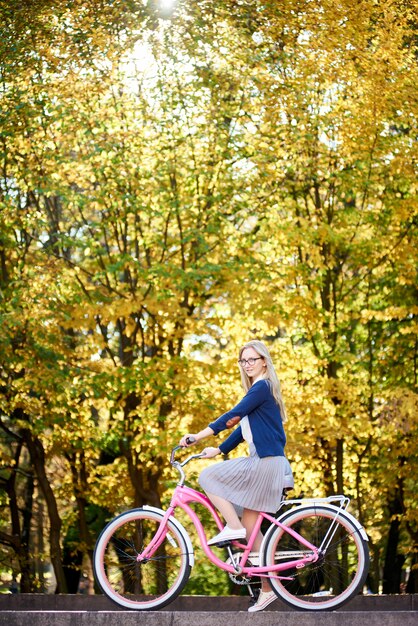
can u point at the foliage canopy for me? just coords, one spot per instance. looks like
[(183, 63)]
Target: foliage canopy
[(176, 181)]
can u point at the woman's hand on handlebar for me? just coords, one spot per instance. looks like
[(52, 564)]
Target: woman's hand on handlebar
[(188, 440), (209, 453)]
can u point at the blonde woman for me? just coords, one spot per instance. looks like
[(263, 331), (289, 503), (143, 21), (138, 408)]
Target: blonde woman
[(253, 483)]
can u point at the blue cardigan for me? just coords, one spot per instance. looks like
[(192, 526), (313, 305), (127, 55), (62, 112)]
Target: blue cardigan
[(264, 418)]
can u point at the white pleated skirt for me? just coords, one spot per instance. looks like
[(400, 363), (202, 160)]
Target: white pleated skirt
[(247, 482)]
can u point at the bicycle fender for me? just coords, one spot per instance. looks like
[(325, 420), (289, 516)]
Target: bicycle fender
[(336, 509), (179, 527)]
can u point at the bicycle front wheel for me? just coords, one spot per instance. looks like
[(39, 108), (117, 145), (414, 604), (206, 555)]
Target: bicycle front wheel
[(336, 576), (146, 585)]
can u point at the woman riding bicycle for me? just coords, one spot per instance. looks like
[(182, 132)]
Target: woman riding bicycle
[(255, 483)]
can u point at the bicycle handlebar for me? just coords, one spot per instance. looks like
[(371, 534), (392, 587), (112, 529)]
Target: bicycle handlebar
[(189, 440)]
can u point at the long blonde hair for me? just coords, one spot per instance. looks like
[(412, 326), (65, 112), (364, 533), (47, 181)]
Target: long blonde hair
[(269, 375)]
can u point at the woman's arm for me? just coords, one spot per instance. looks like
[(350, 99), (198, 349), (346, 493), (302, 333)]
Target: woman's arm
[(254, 397), (234, 439), (185, 441)]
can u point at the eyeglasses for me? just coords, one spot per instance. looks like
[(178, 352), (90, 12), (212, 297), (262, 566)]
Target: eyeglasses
[(244, 362)]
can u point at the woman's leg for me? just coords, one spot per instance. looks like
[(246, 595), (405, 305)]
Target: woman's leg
[(227, 510), (249, 519)]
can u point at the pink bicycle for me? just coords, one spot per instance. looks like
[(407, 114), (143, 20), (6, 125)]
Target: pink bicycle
[(314, 554)]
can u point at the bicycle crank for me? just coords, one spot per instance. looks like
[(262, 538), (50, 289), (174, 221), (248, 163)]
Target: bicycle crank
[(236, 577)]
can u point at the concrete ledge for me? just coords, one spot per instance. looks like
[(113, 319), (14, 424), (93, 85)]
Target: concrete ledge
[(82, 603), (169, 618)]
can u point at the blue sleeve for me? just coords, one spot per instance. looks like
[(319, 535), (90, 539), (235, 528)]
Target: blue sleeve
[(252, 399), (232, 441)]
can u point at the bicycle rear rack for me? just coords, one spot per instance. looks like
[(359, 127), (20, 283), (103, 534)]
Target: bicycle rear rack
[(344, 501)]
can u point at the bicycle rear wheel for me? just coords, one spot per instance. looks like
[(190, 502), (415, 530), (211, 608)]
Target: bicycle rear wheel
[(146, 585), (336, 576)]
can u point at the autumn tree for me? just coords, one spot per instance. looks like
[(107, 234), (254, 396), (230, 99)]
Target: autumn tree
[(335, 156), (174, 183)]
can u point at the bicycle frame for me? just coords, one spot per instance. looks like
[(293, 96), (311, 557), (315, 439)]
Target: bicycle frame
[(184, 495)]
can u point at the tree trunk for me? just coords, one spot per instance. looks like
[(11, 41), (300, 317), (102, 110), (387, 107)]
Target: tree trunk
[(19, 538), (37, 455), (80, 488), (412, 583), (26, 583), (339, 463), (393, 561)]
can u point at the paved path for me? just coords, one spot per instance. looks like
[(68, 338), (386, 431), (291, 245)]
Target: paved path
[(79, 610), (203, 604), (184, 618)]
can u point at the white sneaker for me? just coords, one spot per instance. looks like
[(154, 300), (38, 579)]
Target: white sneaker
[(264, 599), (228, 534)]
